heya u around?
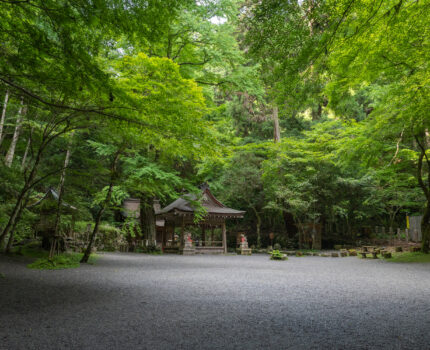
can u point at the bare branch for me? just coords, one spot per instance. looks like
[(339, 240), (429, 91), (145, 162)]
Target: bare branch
[(212, 84)]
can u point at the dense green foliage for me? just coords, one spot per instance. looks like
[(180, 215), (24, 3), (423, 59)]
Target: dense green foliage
[(277, 255), (302, 113)]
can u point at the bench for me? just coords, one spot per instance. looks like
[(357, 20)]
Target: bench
[(369, 250)]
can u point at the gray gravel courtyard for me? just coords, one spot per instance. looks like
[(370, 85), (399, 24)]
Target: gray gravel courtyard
[(135, 301)]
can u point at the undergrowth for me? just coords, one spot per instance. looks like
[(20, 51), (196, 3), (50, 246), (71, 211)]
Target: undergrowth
[(43, 262), (62, 261), (410, 257)]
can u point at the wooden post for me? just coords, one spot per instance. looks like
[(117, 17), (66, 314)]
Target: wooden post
[(181, 238), (224, 237), (173, 234), (163, 238), (203, 236)]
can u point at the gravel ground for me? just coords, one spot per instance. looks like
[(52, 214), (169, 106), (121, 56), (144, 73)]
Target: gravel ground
[(135, 301)]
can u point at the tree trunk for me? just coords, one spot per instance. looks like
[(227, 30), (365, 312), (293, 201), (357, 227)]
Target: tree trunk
[(425, 225), (300, 235), (425, 230), (3, 116), (276, 130), (16, 212), (12, 231), (258, 226), (27, 148), (316, 114), (102, 209), (147, 219), (47, 138), (61, 186), (10, 240), (11, 152)]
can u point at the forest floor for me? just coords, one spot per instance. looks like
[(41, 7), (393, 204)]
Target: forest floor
[(138, 301)]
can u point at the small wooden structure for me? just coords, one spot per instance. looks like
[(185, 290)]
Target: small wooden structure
[(131, 210), (47, 208), (181, 213)]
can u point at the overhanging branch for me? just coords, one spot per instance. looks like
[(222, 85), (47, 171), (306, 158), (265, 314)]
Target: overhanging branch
[(96, 110)]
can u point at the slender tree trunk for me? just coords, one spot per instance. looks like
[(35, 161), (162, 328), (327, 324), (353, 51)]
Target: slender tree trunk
[(147, 218), (61, 186), (102, 209), (276, 129), (10, 240), (300, 235), (11, 152), (3, 116), (16, 212), (258, 226), (425, 229), (12, 231), (28, 185), (425, 225), (27, 148)]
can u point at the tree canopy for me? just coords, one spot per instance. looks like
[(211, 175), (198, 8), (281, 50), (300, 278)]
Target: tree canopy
[(299, 112)]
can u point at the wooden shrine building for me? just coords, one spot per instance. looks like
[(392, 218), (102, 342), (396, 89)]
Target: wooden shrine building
[(181, 212), (46, 208)]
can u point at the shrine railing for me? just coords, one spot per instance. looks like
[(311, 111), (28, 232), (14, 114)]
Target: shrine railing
[(207, 243)]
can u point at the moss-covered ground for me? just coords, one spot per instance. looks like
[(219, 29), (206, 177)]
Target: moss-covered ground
[(43, 262), (410, 257)]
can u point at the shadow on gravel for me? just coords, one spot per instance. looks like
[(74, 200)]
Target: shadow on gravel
[(21, 294)]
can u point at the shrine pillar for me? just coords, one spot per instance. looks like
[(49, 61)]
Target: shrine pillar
[(224, 237)]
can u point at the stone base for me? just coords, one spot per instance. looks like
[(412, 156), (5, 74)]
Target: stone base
[(189, 251), (244, 251), (171, 250)]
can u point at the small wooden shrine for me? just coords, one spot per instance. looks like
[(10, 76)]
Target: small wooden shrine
[(47, 208), (181, 213)]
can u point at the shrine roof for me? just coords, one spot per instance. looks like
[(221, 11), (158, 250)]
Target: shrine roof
[(212, 205)]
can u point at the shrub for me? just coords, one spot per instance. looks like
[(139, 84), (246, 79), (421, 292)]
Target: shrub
[(277, 246), (150, 249), (277, 255)]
